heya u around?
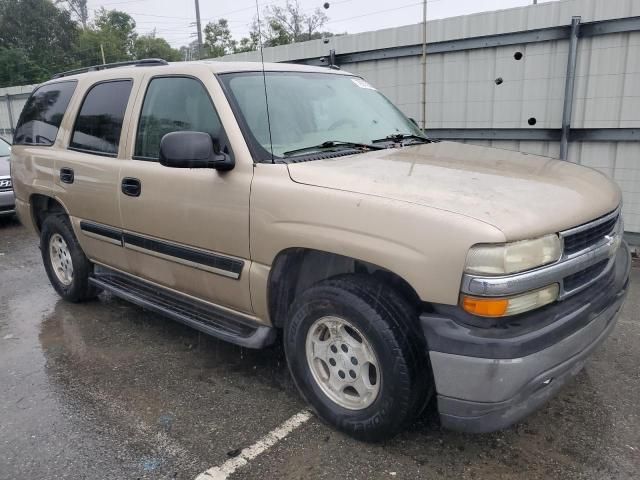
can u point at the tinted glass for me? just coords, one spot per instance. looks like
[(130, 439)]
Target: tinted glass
[(42, 114), (170, 105), (99, 122)]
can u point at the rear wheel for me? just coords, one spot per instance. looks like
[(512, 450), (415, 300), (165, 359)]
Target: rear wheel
[(357, 357), (66, 265)]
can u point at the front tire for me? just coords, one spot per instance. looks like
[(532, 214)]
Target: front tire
[(66, 265), (356, 356)]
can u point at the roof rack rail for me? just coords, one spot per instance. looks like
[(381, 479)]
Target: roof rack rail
[(145, 62)]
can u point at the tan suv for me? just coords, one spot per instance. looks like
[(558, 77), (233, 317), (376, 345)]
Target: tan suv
[(299, 200)]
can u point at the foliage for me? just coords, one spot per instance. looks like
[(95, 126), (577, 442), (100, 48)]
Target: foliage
[(17, 69), (39, 38), (290, 24), (42, 34), (217, 39), (78, 9), (248, 44), (117, 32), (150, 46), (280, 26)]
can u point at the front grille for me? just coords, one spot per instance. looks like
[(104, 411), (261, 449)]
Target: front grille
[(5, 185), (586, 238), (584, 276)]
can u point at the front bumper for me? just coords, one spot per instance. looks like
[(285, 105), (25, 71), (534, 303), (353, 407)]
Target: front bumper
[(7, 203), (489, 378)]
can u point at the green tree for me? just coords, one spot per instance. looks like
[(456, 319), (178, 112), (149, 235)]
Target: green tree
[(248, 44), (78, 9), (17, 69), (41, 32), (150, 46), (41, 37), (290, 24), (87, 50), (117, 33), (217, 39)]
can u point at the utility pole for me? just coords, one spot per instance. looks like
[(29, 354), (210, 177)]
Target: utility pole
[(423, 114), (102, 52), (199, 29)]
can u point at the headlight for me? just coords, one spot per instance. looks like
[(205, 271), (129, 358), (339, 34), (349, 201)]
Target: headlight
[(503, 307), (513, 257)]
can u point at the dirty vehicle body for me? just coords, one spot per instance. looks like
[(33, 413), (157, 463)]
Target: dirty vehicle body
[(7, 202), (396, 267)]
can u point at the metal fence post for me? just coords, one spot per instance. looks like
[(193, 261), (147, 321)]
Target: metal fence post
[(9, 113), (568, 87), (423, 63)]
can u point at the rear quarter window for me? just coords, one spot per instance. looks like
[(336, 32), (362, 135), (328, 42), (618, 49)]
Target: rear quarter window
[(42, 114), (99, 123)]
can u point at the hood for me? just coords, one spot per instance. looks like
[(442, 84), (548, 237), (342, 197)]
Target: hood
[(4, 166), (522, 195)]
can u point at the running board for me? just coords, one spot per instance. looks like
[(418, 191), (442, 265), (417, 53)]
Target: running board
[(213, 321)]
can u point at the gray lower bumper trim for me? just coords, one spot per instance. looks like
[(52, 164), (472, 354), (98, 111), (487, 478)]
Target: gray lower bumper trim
[(496, 380), (480, 417)]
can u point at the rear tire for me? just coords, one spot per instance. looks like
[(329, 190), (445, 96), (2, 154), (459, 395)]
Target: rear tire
[(66, 265), (331, 366)]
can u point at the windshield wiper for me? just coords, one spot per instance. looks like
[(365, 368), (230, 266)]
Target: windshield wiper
[(333, 144), (400, 137)]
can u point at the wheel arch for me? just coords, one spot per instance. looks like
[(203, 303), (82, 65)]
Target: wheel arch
[(295, 269), (43, 205)]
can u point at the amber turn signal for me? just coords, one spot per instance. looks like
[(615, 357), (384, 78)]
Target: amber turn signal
[(485, 307), (502, 307)]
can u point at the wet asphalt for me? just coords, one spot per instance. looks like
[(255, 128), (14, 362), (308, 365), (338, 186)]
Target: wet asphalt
[(105, 390)]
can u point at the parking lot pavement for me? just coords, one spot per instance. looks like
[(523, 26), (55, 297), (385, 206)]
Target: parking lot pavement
[(106, 390)]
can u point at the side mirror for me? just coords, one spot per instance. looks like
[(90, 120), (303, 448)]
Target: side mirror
[(193, 150)]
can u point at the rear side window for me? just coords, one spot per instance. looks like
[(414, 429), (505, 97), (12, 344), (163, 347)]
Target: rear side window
[(42, 114), (99, 123), (173, 104)]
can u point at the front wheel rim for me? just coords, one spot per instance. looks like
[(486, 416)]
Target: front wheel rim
[(343, 363), (60, 258)]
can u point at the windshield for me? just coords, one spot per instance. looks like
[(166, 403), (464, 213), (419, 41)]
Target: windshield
[(5, 148), (308, 109)]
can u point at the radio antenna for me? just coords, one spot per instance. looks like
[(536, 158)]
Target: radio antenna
[(264, 81)]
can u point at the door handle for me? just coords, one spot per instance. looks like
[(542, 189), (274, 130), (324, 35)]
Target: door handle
[(66, 175), (131, 187)]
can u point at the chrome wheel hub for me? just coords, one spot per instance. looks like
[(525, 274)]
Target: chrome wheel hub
[(60, 258), (343, 363)]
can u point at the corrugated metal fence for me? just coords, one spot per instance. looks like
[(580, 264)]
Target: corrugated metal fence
[(500, 79), (12, 100)]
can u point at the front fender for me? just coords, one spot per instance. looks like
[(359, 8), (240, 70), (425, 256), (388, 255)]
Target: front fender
[(426, 247)]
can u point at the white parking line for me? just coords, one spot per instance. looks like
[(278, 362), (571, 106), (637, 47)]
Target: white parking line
[(221, 472)]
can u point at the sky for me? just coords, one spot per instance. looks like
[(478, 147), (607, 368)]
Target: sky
[(174, 19)]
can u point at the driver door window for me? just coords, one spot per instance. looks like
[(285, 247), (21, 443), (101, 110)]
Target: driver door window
[(173, 104)]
